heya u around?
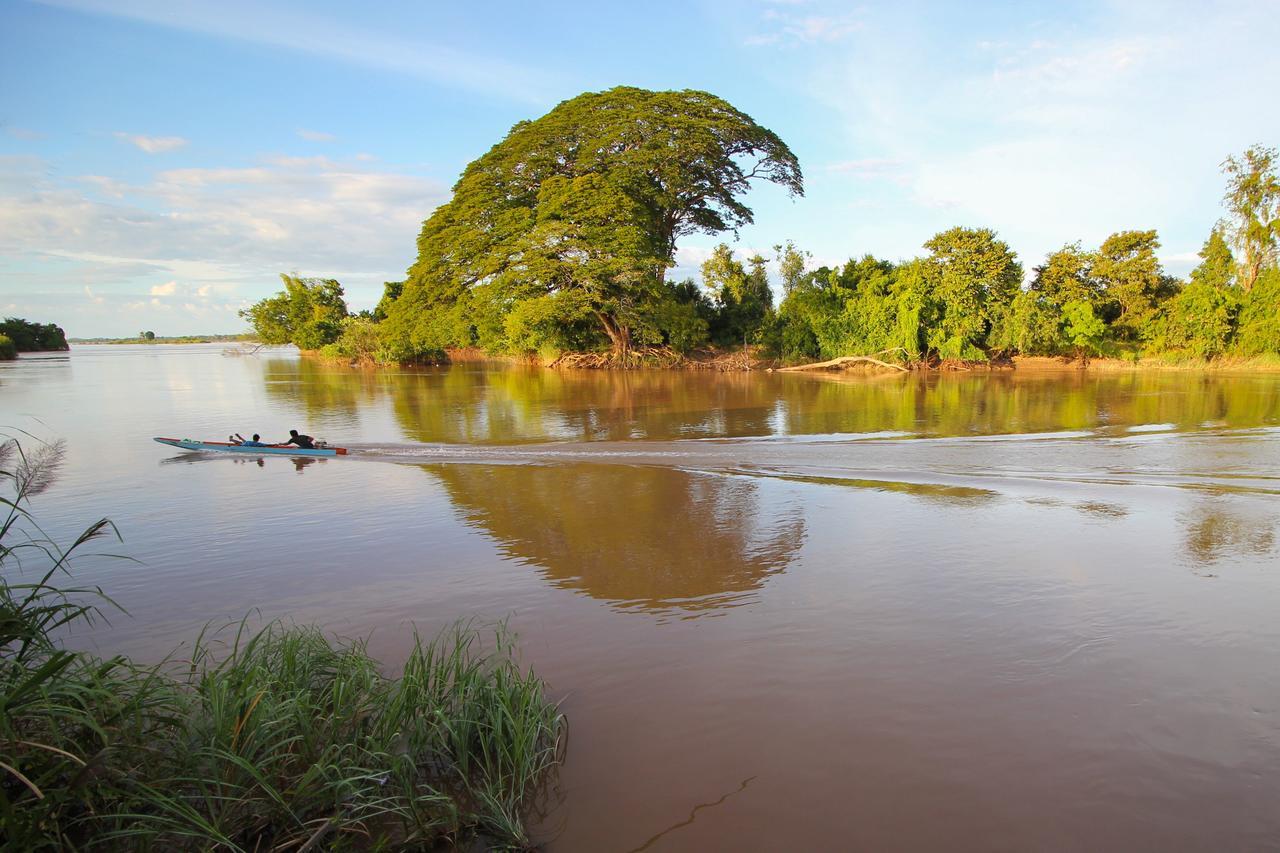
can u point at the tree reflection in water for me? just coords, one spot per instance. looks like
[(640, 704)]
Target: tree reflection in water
[(1217, 529), (637, 537), (516, 403)]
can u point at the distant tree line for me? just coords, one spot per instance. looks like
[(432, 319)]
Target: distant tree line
[(559, 239), (18, 335)]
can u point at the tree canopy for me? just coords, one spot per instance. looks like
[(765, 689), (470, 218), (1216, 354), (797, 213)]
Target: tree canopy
[(564, 230), (559, 240), (308, 313), (26, 336), (1253, 206)]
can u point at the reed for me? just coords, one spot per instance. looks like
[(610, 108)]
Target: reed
[(280, 738)]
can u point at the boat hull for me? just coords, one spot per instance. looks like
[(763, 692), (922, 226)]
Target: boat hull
[(272, 449)]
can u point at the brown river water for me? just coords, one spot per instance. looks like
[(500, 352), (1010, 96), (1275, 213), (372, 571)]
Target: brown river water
[(1005, 611)]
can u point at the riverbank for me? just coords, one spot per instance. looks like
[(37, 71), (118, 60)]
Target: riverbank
[(650, 358), (1257, 364), (751, 359)]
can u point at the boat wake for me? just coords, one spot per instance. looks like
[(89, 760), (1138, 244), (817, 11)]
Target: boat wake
[(1032, 463)]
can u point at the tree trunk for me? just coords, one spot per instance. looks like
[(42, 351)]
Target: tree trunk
[(1253, 268), (618, 334)]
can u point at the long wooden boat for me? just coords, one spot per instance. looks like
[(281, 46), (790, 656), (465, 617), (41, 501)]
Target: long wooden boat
[(277, 449)]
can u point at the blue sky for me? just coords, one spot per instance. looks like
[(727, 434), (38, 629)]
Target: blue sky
[(161, 162)]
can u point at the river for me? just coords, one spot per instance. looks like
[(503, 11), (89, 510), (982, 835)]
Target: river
[(1001, 611)]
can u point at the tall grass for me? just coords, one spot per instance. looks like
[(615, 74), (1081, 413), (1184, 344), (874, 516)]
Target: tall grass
[(278, 739)]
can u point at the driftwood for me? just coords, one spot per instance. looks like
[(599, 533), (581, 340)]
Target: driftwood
[(841, 362), (243, 349)]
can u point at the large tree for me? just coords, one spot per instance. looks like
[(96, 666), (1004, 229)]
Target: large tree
[(1066, 276), (1253, 203), (308, 313), (1217, 267), (972, 278), (741, 295), (582, 210), (1131, 281)]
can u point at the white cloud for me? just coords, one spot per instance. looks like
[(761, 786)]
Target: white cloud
[(316, 135), (152, 144), (23, 133), (95, 299), (869, 167), (789, 29), (1047, 132), (211, 231), (309, 31)]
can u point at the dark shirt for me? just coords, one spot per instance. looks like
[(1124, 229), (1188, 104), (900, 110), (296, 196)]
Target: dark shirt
[(306, 442)]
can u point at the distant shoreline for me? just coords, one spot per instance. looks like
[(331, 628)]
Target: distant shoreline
[(186, 339)]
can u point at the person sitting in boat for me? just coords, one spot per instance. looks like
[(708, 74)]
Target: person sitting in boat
[(256, 441), (305, 442)]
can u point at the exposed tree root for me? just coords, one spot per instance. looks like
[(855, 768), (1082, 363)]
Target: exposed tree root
[(629, 359), (661, 358)]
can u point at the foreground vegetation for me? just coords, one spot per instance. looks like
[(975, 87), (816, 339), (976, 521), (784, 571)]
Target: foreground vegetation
[(560, 237), (280, 739)]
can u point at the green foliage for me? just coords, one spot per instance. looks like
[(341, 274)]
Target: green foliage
[(1198, 322), (791, 264), (360, 340), (1067, 276), (1081, 329), (559, 238), (281, 740), (682, 317), (1217, 265), (588, 200), (1033, 325), (742, 297), (1131, 282), (1253, 206), (868, 321), (308, 313), (8, 351), (971, 279), (34, 337), (1258, 330), (391, 291)]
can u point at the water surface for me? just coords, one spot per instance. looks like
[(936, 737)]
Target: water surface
[(984, 612)]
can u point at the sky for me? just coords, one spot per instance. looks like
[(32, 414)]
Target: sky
[(163, 161)]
